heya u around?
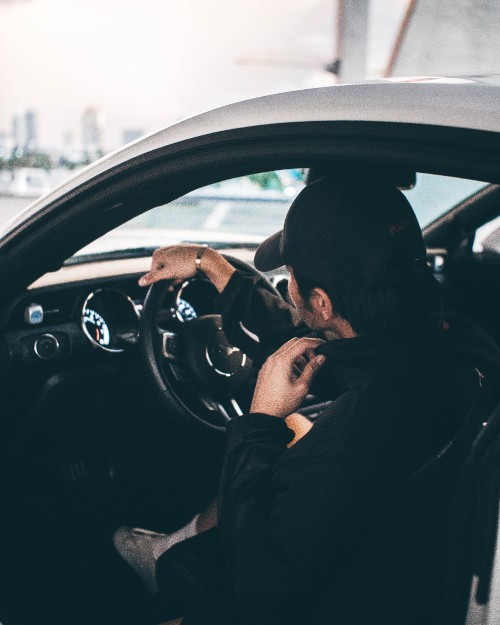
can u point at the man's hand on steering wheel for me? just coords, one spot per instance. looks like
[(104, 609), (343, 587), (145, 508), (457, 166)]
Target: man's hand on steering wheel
[(178, 262)]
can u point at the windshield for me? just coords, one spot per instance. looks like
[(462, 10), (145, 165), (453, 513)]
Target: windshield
[(241, 212)]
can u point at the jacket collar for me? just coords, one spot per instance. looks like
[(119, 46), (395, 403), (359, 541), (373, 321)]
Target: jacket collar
[(353, 362)]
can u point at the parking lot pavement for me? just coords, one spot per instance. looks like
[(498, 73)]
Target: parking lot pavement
[(212, 214), (249, 216)]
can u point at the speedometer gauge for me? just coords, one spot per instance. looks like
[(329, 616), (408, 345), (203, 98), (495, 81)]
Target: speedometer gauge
[(109, 320), (96, 326)]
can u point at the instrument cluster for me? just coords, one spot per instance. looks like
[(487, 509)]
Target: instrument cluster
[(110, 319)]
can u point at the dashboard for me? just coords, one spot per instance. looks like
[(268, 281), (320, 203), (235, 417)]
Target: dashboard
[(88, 310)]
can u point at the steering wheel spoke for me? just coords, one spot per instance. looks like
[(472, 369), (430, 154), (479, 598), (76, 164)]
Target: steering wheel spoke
[(226, 407), (230, 408)]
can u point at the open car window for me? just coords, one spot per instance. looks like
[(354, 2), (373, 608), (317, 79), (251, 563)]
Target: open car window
[(241, 212)]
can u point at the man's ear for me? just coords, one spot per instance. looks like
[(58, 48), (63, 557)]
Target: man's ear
[(321, 303)]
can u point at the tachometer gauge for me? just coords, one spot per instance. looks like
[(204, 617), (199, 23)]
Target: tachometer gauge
[(185, 311), (96, 327)]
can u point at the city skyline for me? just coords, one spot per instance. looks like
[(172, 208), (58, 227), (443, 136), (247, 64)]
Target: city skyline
[(22, 136), (148, 65)]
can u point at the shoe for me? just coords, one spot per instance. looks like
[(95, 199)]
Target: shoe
[(141, 548)]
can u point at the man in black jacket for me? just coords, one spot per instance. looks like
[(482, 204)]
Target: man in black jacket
[(295, 521)]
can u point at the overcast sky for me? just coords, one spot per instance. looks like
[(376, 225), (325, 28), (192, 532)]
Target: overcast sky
[(146, 63)]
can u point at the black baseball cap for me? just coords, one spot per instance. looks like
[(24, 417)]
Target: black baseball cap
[(347, 229)]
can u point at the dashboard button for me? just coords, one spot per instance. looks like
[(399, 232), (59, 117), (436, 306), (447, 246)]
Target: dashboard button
[(33, 314), (46, 346)]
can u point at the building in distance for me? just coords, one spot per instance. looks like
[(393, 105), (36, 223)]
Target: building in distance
[(131, 134), (31, 131), (92, 126), (23, 138)]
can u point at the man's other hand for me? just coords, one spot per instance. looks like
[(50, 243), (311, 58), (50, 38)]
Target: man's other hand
[(286, 377)]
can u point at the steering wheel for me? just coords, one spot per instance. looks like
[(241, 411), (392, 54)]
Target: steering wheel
[(195, 371)]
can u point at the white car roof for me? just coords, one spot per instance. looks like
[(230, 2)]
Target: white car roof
[(469, 103)]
